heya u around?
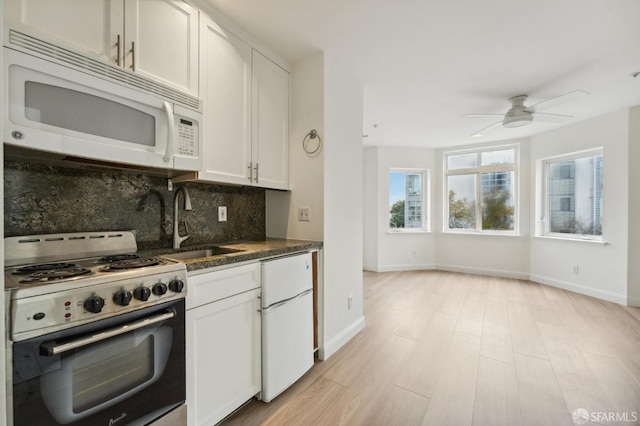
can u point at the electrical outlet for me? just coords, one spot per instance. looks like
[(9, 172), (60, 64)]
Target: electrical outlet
[(304, 214), (575, 269), (349, 302), (222, 214)]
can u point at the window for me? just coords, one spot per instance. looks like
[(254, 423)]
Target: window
[(408, 200), (480, 187), (573, 195)]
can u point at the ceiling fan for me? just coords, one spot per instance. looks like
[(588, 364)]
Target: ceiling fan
[(521, 115)]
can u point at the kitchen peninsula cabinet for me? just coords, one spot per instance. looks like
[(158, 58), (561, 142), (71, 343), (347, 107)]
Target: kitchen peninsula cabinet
[(155, 38), (223, 350), (246, 101)]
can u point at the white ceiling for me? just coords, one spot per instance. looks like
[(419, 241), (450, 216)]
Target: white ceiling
[(424, 63)]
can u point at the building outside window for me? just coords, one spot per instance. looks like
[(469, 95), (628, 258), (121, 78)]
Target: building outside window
[(480, 186), (573, 200), (408, 200)]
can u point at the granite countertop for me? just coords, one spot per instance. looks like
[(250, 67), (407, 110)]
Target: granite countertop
[(246, 251)]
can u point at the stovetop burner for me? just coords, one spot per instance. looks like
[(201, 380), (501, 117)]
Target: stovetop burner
[(117, 258), (134, 263), (31, 269), (55, 274)]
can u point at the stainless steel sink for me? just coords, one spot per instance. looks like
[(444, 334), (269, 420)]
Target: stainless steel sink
[(198, 253)]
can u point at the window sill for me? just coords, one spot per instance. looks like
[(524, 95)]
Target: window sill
[(403, 232), (485, 233), (576, 240)]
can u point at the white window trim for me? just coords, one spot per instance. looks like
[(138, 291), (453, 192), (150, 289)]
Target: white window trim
[(543, 229), (426, 202), (515, 167)]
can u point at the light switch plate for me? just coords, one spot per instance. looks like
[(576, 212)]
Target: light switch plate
[(304, 214), (222, 214)]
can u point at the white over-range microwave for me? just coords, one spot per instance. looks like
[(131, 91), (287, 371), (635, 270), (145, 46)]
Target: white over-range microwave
[(61, 102)]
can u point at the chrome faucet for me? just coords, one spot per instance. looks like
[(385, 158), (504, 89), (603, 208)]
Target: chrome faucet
[(177, 239)]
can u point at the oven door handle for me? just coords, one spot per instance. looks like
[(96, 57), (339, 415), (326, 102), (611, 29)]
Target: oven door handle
[(52, 348)]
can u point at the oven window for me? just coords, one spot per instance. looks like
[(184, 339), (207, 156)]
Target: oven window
[(103, 375), (73, 110)]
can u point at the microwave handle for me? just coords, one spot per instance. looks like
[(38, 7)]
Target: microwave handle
[(168, 154), (52, 349)]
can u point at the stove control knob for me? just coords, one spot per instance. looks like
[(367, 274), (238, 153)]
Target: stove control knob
[(122, 298), (176, 286), (159, 289), (94, 304), (142, 293)]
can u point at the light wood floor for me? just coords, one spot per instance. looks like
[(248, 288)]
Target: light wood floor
[(442, 348)]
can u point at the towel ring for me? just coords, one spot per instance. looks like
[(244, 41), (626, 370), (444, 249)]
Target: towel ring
[(311, 135)]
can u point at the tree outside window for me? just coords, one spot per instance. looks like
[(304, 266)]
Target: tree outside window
[(481, 190)]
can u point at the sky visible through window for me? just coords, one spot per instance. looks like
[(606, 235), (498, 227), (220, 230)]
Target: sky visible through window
[(396, 187)]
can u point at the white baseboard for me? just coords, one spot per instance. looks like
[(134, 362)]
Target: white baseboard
[(588, 291), (395, 268), (633, 301), (483, 271), (343, 337)]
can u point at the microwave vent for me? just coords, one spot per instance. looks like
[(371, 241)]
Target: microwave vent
[(67, 57)]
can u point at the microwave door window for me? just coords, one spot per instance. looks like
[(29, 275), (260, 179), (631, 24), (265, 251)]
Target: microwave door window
[(84, 113)]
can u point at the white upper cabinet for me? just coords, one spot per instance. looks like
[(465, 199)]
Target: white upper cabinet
[(156, 38), (246, 110), (226, 90), (270, 120)]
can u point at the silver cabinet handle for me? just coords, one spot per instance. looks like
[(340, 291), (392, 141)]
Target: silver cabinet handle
[(257, 165), (250, 171), (118, 50), (168, 152), (133, 56), (52, 349)]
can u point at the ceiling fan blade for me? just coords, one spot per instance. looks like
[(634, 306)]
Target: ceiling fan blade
[(482, 115), (551, 118), (551, 102), (481, 131)]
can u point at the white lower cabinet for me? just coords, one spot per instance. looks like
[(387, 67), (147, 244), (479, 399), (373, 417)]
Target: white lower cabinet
[(223, 342)]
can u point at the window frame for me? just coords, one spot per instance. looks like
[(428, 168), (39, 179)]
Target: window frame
[(544, 230), (478, 171), (424, 198)]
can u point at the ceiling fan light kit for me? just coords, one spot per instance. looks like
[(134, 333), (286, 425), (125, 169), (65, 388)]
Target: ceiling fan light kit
[(519, 115), (517, 120)]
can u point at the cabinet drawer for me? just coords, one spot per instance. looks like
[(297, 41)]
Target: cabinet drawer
[(211, 286)]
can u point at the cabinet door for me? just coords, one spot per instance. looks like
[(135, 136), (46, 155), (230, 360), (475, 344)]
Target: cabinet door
[(270, 123), (162, 42), (223, 357), (91, 27), (226, 90)]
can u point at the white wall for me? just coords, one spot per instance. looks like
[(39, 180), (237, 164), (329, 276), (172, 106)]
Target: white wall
[(602, 268), (370, 214), (328, 99), (343, 193), (393, 251), (305, 171), (633, 275)]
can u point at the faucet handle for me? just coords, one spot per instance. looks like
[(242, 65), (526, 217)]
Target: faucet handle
[(186, 228)]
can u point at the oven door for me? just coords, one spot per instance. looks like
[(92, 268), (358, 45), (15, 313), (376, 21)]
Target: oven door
[(124, 370)]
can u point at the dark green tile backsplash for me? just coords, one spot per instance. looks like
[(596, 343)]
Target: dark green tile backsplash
[(41, 199)]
